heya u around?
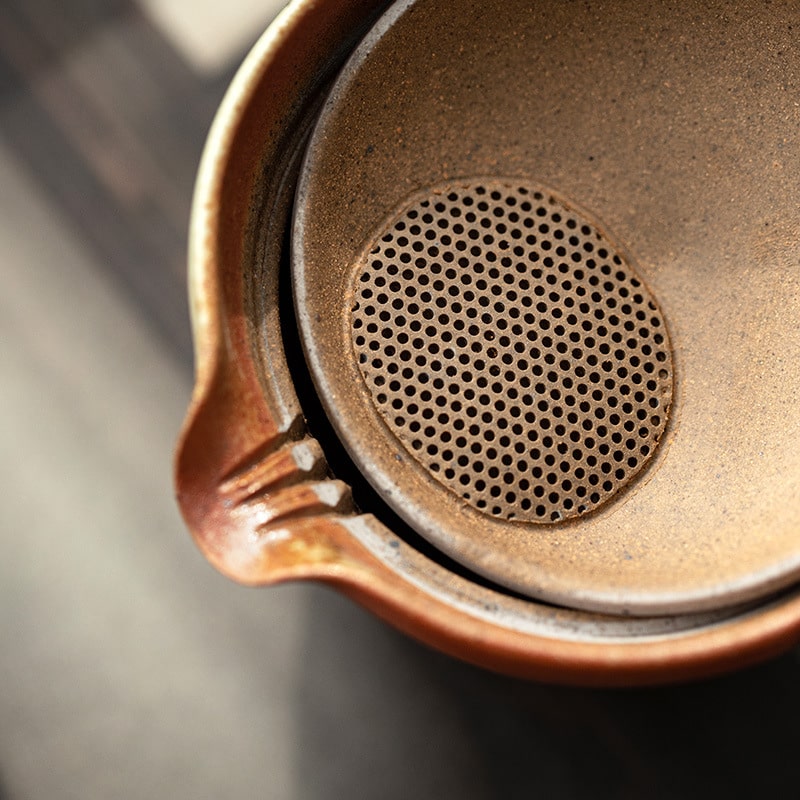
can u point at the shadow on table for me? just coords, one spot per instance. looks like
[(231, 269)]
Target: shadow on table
[(381, 716)]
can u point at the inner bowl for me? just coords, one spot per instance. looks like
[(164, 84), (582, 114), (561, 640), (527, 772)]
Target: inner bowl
[(670, 132)]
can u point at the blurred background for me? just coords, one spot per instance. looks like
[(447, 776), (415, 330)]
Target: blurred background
[(128, 667)]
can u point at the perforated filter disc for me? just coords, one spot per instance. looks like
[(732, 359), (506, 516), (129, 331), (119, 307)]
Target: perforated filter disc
[(512, 350)]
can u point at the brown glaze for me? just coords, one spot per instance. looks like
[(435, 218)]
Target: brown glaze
[(251, 484), (238, 415)]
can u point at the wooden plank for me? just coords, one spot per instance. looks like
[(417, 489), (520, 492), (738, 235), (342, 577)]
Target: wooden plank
[(111, 122)]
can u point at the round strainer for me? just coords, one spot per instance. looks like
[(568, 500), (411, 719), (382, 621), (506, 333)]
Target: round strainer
[(548, 294), (512, 350)]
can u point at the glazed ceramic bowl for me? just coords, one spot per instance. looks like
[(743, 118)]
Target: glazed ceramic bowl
[(274, 472)]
